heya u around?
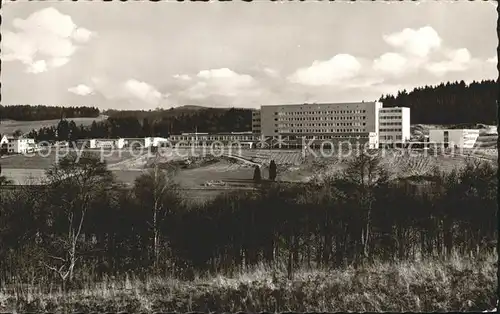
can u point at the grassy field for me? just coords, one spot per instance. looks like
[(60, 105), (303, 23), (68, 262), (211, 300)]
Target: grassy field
[(9, 126), (457, 284)]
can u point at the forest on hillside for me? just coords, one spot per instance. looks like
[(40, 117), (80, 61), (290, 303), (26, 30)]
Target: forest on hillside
[(190, 119), (39, 112), (450, 103), (127, 124)]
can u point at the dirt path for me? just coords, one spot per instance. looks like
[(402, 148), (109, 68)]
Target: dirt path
[(243, 160), (133, 163)]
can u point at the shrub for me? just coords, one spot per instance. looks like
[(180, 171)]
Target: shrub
[(256, 174)]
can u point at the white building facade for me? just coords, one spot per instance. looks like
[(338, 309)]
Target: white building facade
[(394, 125), (19, 145), (336, 122), (454, 138)]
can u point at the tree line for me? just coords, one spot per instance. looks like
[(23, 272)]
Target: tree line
[(82, 224), (39, 112), (450, 103), (127, 125), (191, 119)]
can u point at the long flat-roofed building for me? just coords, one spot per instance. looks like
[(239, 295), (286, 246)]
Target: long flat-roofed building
[(247, 139), (336, 122)]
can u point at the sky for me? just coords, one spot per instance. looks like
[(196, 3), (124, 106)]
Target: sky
[(144, 55)]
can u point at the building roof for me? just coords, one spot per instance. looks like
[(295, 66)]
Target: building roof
[(324, 104)]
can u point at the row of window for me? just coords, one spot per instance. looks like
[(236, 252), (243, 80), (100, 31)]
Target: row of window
[(215, 138), (320, 131), (390, 117), (325, 137), (390, 137), (293, 113), (390, 123), (320, 118), (385, 110), (280, 125), (390, 130)]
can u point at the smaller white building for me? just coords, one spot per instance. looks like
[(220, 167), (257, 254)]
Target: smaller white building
[(154, 141), (394, 125), (454, 138), (17, 145), (107, 143)]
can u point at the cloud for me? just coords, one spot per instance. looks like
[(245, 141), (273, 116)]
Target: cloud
[(213, 87), (37, 67), (220, 82), (419, 42), (183, 77), (142, 91), (225, 74), (81, 90), (493, 59), (45, 37), (57, 62), (457, 60), (330, 72), (393, 63), (82, 35), (271, 72), (132, 91)]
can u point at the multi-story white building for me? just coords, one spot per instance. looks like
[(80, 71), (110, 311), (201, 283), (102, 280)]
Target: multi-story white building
[(353, 122), (17, 145), (454, 138), (394, 125)]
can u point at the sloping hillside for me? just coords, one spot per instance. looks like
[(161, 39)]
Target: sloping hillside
[(449, 103), (10, 126)]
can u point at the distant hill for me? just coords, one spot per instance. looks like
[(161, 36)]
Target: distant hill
[(139, 123), (188, 119), (140, 114), (39, 112), (450, 103)]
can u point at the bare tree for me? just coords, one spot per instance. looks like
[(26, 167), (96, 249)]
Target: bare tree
[(364, 173), (72, 185), (157, 191)]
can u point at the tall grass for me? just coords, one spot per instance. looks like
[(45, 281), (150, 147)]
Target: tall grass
[(457, 284)]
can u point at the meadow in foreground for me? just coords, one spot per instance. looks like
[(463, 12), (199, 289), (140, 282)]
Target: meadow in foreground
[(457, 284)]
